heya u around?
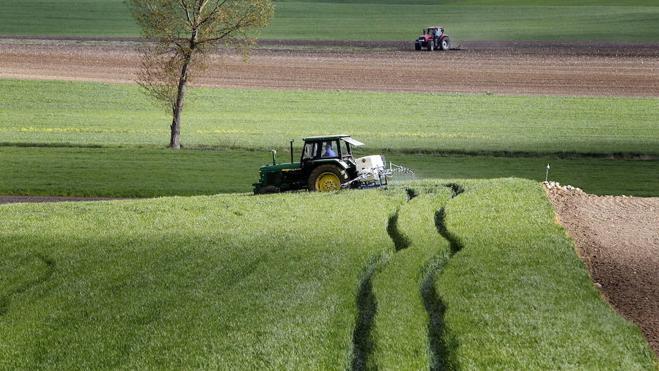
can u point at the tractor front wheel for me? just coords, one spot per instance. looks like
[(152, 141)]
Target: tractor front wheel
[(326, 178)]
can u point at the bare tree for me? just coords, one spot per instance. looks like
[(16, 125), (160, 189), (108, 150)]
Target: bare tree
[(180, 34)]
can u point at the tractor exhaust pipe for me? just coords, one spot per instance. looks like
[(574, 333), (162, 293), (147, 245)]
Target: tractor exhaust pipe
[(292, 140), (274, 157)]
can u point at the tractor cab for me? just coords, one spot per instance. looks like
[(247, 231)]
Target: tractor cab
[(435, 31), (335, 147), (326, 162)]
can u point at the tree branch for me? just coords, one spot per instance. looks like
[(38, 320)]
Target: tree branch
[(184, 5), (212, 13), (200, 7), (238, 25)]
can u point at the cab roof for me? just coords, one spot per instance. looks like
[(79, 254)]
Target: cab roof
[(343, 137)]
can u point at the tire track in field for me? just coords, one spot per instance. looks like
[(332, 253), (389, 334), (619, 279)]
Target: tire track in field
[(362, 341), (401, 241), (5, 299), (442, 344)]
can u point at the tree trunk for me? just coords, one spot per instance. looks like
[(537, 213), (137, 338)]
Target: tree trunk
[(175, 128)]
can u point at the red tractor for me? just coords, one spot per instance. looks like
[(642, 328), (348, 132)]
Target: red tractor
[(433, 38)]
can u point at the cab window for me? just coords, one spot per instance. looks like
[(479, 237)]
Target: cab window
[(309, 152), (345, 149), (329, 150)]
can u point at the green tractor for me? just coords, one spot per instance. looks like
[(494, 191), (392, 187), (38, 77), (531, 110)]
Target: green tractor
[(326, 164)]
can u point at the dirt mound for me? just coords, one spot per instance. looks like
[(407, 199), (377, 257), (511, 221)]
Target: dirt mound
[(505, 68), (618, 238)]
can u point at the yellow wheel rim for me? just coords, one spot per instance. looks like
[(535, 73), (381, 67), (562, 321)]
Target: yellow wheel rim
[(328, 182)]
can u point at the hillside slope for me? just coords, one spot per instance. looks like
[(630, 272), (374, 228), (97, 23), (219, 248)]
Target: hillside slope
[(203, 282), (305, 281)]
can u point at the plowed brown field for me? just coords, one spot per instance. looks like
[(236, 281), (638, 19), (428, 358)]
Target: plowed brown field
[(618, 238), (504, 68)]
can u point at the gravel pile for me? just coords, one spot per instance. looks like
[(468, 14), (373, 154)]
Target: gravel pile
[(550, 185)]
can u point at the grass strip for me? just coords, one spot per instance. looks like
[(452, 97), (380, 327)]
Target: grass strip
[(518, 297), (632, 20), (86, 114), (151, 172), (403, 325)]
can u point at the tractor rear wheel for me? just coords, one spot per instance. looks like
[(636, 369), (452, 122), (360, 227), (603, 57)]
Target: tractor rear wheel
[(446, 44), (326, 178)]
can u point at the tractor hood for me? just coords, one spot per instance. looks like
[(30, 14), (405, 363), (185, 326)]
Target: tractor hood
[(279, 167)]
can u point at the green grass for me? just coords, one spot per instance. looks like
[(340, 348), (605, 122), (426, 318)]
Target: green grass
[(147, 172), (126, 172), (102, 114), (633, 22), (597, 176), (205, 282), (244, 282), (131, 133), (603, 20), (517, 296)]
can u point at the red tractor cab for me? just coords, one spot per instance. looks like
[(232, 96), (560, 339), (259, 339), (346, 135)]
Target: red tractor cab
[(433, 38)]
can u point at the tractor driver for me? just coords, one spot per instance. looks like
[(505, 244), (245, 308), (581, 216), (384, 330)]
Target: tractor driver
[(329, 152)]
